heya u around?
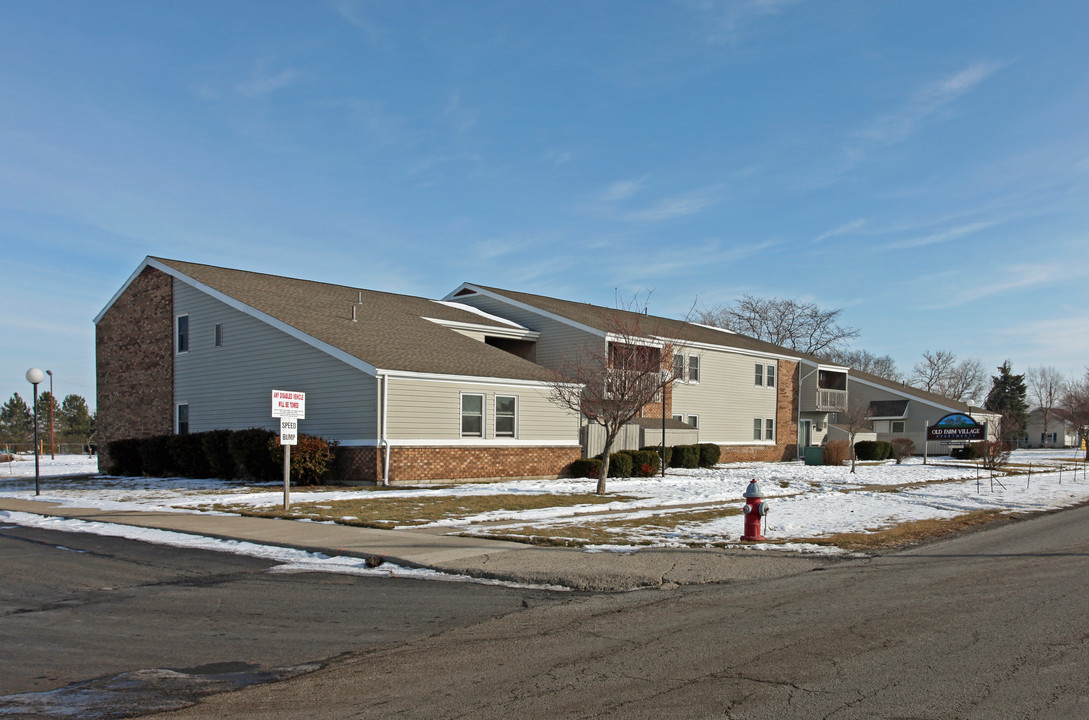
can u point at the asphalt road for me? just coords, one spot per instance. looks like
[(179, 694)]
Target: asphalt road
[(77, 607), (991, 625)]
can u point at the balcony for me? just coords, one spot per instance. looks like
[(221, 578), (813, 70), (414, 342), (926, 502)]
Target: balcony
[(831, 400)]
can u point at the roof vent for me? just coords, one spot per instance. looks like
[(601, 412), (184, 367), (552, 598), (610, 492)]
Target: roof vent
[(353, 313)]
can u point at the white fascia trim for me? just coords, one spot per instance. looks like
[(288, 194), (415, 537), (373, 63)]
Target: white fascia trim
[(519, 333), (688, 345), (464, 379), (826, 366), (907, 395), (462, 442), (242, 307), (523, 306), (462, 307), (647, 341)]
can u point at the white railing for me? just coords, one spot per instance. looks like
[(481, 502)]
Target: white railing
[(831, 399)]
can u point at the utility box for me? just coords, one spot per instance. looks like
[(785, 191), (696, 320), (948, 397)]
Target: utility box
[(814, 455)]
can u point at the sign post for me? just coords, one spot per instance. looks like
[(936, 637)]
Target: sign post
[(290, 407)]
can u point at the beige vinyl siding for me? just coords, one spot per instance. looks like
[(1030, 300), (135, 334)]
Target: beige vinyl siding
[(423, 409), (231, 386), (559, 342), (726, 399)]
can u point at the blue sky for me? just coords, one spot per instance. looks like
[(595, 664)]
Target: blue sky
[(923, 165)]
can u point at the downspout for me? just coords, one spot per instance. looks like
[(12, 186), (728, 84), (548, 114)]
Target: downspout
[(383, 441)]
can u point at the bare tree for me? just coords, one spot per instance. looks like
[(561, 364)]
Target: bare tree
[(788, 323), (1045, 385), (1075, 401), (610, 383), (880, 365), (855, 418), (939, 372)]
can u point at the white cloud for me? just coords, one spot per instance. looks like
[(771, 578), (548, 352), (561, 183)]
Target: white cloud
[(622, 189), (941, 236), (353, 12), (677, 206), (262, 82), (727, 16), (898, 126), (844, 229)]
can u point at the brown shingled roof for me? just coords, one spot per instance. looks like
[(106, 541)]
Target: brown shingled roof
[(390, 331)]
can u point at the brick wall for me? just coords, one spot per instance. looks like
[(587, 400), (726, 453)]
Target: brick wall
[(424, 465), (134, 356)]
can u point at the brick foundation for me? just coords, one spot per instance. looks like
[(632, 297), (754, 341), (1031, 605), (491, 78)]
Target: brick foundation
[(134, 355), (426, 465)]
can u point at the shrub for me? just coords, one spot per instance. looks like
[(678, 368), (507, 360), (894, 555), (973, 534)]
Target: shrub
[(993, 454), (311, 459), (867, 450), (967, 452), (620, 465), (645, 463), (884, 450), (586, 468), (902, 448), (657, 450), (156, 459), (217, 450), (250, 451), (709, 454), (686, 456), (125, 457), (836, 452), (187, 455)]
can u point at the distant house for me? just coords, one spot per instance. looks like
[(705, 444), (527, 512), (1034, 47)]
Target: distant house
[(1061, 431), (903, 411), (184, 347)]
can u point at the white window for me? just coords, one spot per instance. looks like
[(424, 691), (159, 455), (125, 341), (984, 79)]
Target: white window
[(898, 426), (770, 375), (182, 335), (506, 416), (678, 367), (757, 428), (769, 428), (219, 335), (693, 368), (694, 420), (759, 371), (679, 418), (472, 415), (183, 419)]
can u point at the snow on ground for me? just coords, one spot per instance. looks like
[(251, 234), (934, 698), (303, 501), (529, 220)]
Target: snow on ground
[(805, 501)]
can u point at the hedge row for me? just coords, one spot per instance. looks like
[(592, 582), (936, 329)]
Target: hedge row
[(648, 461), (253, 454)]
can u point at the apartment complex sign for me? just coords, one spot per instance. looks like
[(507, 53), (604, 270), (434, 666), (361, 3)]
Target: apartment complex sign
[(289, 404), (956, 427)]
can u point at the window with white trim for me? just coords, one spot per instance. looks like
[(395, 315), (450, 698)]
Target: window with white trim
[(678, 367), (757, 428), (769, 428), (472, 415), (679, 418), (898, 426), (759, 374), (506, 416), (770, 374), (694, 420), (181, 324), (693, 368), (182, 426)]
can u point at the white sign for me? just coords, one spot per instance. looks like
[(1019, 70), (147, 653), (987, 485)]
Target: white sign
[(288, 404), (289, 431)]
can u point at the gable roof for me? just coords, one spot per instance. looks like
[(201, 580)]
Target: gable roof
[(391, 332), (603, 320)]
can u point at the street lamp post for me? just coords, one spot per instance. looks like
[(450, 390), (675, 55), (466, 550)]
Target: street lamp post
[(52, 402), (35, 376)]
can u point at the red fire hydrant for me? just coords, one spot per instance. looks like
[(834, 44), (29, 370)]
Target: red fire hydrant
[(755, 510)]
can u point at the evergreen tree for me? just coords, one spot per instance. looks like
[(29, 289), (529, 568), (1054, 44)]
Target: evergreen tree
[(16, 421), (45, 400), (75, 419), (1007, 396)]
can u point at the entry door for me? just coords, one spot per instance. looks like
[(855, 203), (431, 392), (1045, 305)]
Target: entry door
[(805, 433)]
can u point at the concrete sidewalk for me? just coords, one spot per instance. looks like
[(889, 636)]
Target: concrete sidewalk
[(476, 557)]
